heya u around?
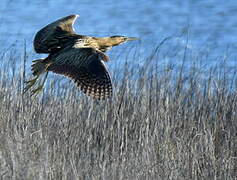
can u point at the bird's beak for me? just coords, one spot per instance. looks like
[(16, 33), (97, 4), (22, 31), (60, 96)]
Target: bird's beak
[(131, 38)]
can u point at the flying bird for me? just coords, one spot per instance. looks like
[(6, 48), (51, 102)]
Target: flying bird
[(78, 57)]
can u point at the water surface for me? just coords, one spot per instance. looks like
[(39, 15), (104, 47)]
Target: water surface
[(209, 25)]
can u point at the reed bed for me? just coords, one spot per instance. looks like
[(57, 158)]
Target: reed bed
[(163, 122)]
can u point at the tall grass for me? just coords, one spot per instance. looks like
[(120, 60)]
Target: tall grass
[(162, 123)]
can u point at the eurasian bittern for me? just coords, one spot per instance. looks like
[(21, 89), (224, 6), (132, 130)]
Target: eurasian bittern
[(78, 57)]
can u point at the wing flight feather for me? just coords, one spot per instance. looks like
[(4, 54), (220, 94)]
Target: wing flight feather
[(51, 36), (86, 68)]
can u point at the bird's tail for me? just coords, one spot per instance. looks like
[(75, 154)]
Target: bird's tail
[(38, 67)]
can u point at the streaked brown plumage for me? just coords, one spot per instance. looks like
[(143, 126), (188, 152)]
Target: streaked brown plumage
[(76, 56)]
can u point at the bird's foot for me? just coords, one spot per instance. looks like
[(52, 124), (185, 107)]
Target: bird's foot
[(29, 84), (37, 90), (40, 87)]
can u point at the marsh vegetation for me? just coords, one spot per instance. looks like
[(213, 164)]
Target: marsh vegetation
[(162, 123)]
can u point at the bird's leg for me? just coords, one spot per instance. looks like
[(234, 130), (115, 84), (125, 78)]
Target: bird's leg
[(32, 82), (40, 87)]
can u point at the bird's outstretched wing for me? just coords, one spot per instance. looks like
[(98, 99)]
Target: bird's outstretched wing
[(86, 68), (49, 38)]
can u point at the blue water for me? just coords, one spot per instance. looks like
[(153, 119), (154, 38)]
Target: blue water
[(205, 26)]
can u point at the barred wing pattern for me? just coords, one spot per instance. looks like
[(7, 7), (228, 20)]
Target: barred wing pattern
[(49, 37), (86, 68)]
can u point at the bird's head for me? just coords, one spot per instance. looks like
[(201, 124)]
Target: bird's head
[(122, 39)]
